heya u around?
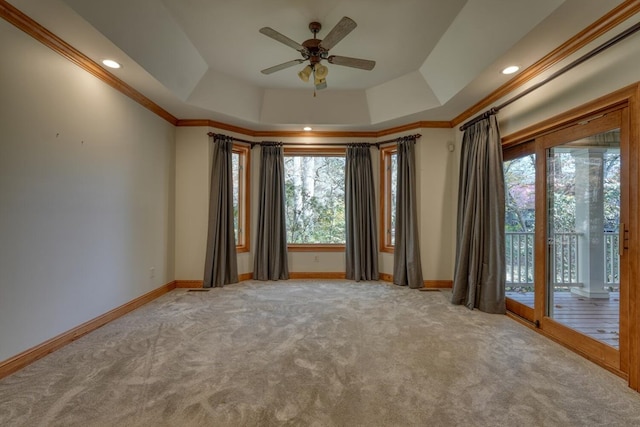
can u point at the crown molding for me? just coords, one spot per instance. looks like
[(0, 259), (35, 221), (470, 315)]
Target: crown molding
[(318, 134), (607, 22), (612, 19), (14, 16)]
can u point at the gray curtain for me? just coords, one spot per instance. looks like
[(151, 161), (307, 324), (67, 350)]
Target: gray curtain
[(361, 226), (270, 257), (407, 267), (221, 267), (479, 278)]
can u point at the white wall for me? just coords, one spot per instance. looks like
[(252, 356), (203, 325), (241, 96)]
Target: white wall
[(86, 195)]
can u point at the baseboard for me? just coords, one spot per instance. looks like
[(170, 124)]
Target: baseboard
[(385, 277), (245, 276), (200, 283), (189, 283), (431, 284), (317, 275), (446, 284), (29, 356)]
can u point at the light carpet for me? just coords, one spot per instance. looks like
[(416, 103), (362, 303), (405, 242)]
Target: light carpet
[(314, 353)]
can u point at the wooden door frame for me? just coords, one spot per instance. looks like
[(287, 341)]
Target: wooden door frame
[(624, 98), (615, 360)]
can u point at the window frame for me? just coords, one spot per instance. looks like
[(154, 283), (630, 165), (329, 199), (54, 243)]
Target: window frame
[(386, 153), (244, 193), (318, 152)]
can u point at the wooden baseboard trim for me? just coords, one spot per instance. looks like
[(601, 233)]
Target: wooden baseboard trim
[(385, 277), (317, 275), (189, 283), (245, 276), (200, 283), (29, 356), (431, 284), (440, 284)]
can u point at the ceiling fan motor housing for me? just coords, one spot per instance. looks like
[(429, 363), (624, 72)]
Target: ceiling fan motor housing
[(315, 52)]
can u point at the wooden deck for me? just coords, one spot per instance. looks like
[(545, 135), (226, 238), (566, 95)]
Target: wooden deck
[(597, 318)]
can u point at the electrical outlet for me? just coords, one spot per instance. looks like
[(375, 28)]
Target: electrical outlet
[(152, 272), (316, 258)]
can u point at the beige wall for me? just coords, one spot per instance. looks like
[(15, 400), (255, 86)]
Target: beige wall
[(436, 175), (193, 157), (86, 195), (613, 69)]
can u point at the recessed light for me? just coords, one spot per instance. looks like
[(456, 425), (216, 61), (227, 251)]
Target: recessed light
[(511, 69), (307, 128), (111, 63)]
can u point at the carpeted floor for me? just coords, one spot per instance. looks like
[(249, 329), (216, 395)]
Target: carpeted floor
[(314, 353)]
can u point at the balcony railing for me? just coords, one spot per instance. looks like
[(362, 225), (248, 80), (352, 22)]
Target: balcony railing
[(519, 248)]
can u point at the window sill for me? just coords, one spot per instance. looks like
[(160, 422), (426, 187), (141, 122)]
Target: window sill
[(315, 248)]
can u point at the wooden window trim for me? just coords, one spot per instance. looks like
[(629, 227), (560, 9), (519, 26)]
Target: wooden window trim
[(385, 198), (324, 152), (317, 247)]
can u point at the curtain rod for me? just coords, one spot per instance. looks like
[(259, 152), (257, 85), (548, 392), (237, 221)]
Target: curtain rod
[(604, 46), (340, 144), (234, 138)]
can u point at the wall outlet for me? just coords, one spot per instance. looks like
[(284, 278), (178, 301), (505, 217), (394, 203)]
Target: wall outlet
[(316, 258), (152, 272)]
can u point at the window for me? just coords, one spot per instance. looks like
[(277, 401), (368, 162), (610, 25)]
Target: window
[(240, 173), (388, 178), (314, 198)]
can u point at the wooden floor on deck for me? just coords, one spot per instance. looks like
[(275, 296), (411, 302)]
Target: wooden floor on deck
[(596, 318)]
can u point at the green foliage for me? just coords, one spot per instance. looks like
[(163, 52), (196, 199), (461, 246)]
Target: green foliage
[(315, 206)]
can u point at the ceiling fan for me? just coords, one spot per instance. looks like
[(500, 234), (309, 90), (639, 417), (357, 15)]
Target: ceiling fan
[(315, 50)]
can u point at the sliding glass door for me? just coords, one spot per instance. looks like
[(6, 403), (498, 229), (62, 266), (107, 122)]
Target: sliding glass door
[(520, 224), (583, 205), (566, 206)]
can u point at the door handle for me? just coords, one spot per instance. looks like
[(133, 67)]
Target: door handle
[(621, 232)]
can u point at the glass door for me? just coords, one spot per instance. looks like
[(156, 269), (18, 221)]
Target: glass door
[(584, 208), (520, 224), (583, 199)]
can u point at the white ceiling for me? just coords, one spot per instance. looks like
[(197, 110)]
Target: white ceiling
[(201, 59)]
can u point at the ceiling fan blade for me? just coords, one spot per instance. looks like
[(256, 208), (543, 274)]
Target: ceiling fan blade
[(270, 32), (282, 66), (337, 33), (363, 64)]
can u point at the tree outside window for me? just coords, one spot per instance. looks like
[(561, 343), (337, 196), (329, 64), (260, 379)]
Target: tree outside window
[(388, 180), (314, 191), (240, 175)]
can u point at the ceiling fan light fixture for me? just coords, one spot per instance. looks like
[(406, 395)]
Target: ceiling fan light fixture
[(321, 71), (305, 73)]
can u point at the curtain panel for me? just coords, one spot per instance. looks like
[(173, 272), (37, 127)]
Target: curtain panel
[(407, 265), (361, 250), (479, 278), (221, 266), (270, 258)]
